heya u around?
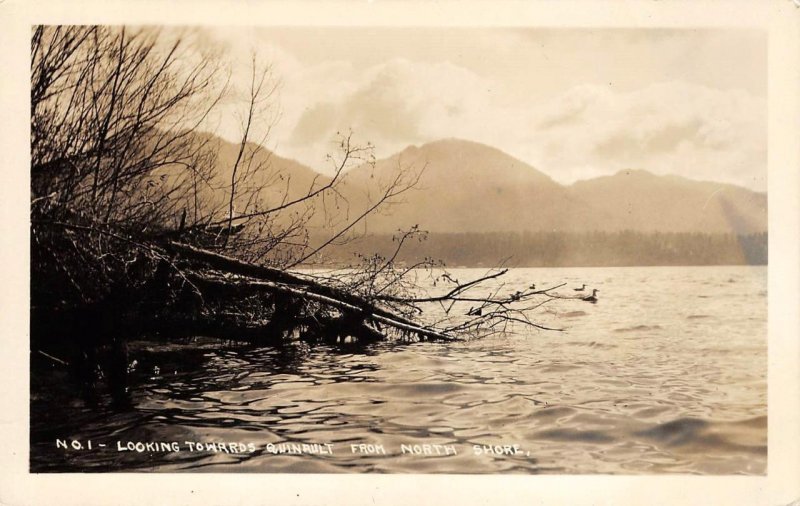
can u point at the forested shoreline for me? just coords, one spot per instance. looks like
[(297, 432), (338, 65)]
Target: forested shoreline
[(564, 249)]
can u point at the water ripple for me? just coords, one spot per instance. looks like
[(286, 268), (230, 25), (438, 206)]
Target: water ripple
[(642, 382)]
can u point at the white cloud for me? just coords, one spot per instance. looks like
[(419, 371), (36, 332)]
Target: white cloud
[(393, 104), (583, 131), (674, 128)]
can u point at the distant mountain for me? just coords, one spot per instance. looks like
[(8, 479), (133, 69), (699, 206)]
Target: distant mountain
[(282, 176), (641, 201), (470, 187), (465, 186), (279, 179)]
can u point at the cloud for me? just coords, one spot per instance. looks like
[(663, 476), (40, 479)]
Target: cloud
[(392, 105), (580, 131), (675, 128)]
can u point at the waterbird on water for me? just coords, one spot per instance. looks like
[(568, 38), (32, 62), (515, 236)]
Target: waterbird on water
[(591, 298), (580, 289)]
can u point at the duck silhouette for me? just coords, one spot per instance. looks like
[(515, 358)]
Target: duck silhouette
[(580, 289), (591, 298)]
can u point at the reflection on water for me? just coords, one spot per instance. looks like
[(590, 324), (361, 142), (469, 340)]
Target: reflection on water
[(666, 374)]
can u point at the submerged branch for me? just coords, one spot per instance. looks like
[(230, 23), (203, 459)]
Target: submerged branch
[(365, 311)]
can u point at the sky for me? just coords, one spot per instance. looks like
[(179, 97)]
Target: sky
[(573, 103)]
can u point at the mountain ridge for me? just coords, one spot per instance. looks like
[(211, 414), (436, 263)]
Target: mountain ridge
[(467, 186)]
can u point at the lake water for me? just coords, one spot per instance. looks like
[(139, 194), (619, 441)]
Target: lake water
[(665, 374)]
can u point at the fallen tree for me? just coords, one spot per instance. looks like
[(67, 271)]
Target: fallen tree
[(141, 227), (166, 289), (192, 284)]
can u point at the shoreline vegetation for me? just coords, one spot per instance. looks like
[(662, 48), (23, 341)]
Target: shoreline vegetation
[(137, 230), (570, 249)]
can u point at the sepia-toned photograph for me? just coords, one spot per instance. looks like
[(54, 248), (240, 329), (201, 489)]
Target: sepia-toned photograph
[(462, 250)]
